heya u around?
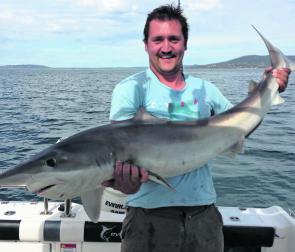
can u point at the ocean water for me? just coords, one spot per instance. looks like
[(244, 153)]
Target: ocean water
[(38, 106)]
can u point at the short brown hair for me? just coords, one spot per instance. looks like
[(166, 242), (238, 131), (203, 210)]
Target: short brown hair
[(167, 12)]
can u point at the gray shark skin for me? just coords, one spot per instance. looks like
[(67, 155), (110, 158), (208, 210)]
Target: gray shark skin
[(78, 165)]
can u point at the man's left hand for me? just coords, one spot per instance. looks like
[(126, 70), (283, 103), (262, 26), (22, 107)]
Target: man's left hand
[(281, 75)]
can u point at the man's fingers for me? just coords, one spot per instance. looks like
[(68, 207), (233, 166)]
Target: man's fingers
[(134, 174), (281, 73), (282, 77), (127, 175), (118, 173), (144, 176), (268, 69), (118, 164), (286, 69)]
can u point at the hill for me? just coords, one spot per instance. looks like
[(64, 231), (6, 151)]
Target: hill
[(243, 62)]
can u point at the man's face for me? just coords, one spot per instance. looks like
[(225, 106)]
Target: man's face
[(165, 46)]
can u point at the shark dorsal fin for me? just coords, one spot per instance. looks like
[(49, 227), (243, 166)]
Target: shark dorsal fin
[(142, 116), (253, 85)]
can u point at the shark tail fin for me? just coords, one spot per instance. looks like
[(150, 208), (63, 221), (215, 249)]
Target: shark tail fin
[(277, 58)]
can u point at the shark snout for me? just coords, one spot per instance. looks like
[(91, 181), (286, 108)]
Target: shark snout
[(14, 180), (20, 175)]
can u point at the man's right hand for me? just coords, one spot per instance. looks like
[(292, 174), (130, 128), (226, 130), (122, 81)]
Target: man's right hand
[(127, 178)]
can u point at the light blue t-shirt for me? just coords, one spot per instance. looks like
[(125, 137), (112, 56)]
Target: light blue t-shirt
[(198, 99)]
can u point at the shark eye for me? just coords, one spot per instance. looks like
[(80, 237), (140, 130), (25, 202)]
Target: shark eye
[(51, 162)]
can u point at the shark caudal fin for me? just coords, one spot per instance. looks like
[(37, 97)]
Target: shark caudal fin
[(277, 58)]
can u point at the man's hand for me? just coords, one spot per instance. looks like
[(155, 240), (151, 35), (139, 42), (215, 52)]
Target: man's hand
[(127, 178), (281, 75)]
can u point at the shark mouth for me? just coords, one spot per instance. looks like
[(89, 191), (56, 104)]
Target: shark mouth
[(44, 189)]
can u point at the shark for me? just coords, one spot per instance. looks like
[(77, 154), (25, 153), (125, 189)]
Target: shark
[(77, 165)]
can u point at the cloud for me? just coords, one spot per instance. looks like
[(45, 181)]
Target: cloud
[(201, 5), (136, 6), (216, 40), (100, 17), (15, 17), (106, 7), (27, 22), (32, 23), (116, 5)]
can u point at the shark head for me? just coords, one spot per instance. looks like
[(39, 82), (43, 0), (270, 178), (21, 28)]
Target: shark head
[(56, 173)]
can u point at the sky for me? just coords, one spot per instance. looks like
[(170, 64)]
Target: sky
[(108, 33)]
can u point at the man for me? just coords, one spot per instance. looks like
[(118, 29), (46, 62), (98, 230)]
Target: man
[(159, 219)]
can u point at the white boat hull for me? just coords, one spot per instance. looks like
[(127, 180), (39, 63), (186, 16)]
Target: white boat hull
[(24, 228)]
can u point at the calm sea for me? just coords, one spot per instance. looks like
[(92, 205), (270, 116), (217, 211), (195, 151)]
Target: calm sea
[(38, 106)]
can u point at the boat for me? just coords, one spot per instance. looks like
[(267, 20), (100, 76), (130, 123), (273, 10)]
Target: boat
[(51, 226)]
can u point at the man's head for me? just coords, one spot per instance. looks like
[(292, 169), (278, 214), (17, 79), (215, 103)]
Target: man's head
[(164, 13), (165, 39)]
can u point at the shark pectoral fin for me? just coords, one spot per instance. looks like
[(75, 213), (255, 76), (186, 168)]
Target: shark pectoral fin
[(277, 100), (91, 203), (237, 148), (159, 180)]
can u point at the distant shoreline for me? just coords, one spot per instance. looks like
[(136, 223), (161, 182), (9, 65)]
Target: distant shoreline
[(249, 61), (24, 66)]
